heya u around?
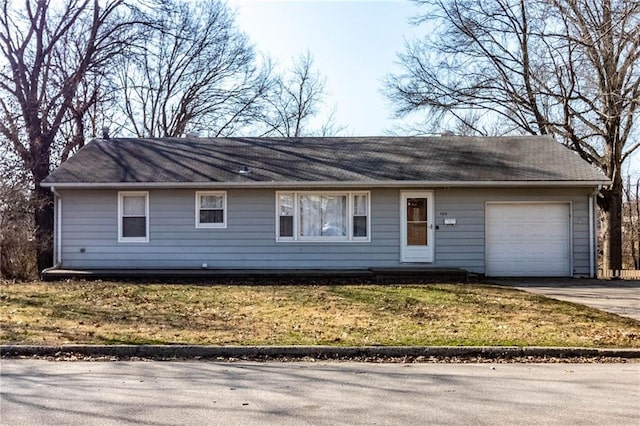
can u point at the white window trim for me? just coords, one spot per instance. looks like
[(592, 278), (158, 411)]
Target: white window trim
[(121, 195), (352, 203), (320, 239), (295, 222), (222, 225)]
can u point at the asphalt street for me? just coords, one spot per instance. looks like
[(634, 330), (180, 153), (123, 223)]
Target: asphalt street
[(36, 392)]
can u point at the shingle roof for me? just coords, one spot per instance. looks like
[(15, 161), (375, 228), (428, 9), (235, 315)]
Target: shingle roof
[(314, 160)]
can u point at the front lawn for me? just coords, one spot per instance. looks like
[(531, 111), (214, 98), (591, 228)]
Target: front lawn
[(345, 315)]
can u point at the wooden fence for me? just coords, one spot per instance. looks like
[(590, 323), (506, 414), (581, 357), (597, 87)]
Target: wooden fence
[(625, 274)]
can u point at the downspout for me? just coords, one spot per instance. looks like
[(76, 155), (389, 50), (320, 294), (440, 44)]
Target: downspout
[(593, 239)]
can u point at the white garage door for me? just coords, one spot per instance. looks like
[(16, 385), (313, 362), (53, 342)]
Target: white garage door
[(528, 240)]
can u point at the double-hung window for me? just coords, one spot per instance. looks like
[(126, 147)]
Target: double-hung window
[(323, 216), (133, 217), (285, 215), (211, 209), (360, 215)]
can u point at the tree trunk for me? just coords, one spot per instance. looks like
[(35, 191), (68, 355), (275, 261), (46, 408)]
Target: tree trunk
[(614, 218), (44, 228), (43, 215), (634, 213), (603, 241)]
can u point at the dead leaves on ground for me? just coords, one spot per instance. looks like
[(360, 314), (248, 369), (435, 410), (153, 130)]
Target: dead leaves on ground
[(439, 314)]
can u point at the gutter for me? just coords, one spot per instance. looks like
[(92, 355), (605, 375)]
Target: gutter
[(327, 184)]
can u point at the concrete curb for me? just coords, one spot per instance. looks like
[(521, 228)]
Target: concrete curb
[(320, 352)]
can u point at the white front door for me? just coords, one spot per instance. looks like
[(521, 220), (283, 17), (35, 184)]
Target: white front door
[(416, 226)]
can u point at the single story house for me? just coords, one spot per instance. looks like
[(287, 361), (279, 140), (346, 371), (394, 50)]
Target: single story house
[(509, 206)]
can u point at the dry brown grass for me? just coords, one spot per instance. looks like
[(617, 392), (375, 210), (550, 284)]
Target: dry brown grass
[(440, 314)]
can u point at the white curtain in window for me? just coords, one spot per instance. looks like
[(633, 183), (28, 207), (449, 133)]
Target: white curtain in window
[(286, 205), (359, 205), (134, 205), (323, 215), (211, 202)]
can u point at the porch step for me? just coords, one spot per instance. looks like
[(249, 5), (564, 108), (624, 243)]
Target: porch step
[(381, 275)]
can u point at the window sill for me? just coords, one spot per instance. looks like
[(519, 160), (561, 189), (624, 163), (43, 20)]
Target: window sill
[(133, 240), (211, 226)]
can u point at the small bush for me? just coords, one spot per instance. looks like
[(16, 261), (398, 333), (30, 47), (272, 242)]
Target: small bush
[(17, 232)]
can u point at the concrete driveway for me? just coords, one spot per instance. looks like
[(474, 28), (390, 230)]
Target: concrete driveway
[(289, 394), (618, 297)]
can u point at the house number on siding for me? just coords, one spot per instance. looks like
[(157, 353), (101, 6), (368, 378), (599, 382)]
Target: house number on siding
[(443, 213)]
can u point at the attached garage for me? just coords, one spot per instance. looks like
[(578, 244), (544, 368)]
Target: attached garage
[(528, 239)]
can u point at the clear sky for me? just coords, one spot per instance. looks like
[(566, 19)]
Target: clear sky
[(353, 43)]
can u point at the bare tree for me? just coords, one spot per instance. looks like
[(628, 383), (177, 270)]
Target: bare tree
[(193, 70), (46, 53), (295, 99), (90, 112), (330, 126), (566, 68)]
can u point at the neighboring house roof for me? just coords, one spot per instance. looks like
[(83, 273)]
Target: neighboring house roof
[(446, 160)]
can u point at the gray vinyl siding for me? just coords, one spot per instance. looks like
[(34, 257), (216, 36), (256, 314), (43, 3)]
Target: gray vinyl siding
[(90, 231), (464, 246)]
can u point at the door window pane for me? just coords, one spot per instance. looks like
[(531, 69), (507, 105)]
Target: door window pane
[(417, 222), (417, 234), (416, 209)]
